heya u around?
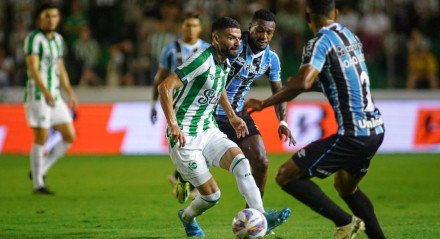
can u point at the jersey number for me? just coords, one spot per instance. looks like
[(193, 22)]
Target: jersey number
[(365, 82)]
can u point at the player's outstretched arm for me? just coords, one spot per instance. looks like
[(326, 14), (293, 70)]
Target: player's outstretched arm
[(239, 125), (295, 85), (158, 79), (166, 89)]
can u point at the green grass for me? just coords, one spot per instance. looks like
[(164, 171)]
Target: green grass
[(130, 197)]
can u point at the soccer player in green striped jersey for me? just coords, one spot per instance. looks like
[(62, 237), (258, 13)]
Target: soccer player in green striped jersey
[(194, 140), (44, 106)]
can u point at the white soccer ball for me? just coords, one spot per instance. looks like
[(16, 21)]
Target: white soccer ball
[(249, 223)]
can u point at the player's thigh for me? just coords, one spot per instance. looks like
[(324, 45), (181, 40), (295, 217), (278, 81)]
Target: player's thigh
[(226, 127), (60, 114), (322, 157), (191, 164), (218, 145), (67, 131), (38, 114), (254, 149)]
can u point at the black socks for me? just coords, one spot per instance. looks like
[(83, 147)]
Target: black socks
[(362, 207), (311, 195)]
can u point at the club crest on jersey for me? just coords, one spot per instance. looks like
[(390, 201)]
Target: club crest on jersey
[(209, 97)]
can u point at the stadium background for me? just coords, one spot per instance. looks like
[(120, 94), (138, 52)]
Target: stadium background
[(119, 42), (113, 48), (102, 193)]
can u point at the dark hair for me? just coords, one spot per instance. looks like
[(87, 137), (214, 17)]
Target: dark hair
[(223, 23), (44, 6), (188, 15), (264, 15), (321, 7)]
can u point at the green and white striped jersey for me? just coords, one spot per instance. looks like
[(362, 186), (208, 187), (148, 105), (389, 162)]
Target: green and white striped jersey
[(49, 52), (204, 78)]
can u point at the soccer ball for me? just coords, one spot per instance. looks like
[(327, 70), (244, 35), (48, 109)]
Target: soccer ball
[(249, 223)]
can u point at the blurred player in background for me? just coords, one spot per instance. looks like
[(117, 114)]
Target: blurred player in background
[(255, 60), (333, 62), (194, 140), (44, 105), (173, 55)]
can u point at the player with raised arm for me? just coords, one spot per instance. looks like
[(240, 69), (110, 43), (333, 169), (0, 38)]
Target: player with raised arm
[(195, 143), (173, 55), (44, 106), (255, 60), (333, 62)]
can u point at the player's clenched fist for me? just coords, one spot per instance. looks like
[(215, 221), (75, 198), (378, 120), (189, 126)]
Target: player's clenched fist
[(252, 105)]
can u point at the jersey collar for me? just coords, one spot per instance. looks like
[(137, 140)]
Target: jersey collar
[(217, 60)]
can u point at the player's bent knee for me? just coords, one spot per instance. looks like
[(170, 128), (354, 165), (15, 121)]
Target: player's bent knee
[(283, 177), (343, 190), (280, 179)]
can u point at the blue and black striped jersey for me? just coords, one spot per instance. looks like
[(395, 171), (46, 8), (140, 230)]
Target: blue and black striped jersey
[(245, 69), (337, 54)]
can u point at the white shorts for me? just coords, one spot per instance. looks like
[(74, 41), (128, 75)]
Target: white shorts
[(40, 115), (199, 154)]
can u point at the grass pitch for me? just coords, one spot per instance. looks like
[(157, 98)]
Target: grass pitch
[(130, 197)]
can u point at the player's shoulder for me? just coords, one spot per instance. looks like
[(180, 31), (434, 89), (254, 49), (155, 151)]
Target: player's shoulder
[(169, 46), (35, 35), (58, 36), (321, 39), (203, 53), (59, 39), (201, 56), (272, 55)]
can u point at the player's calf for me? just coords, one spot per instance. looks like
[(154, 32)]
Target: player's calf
[(246, 183)]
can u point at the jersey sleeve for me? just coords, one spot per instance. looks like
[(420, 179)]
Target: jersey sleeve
[(197, 64), (166, 57), (315, 52), (31, 44), (274, 71)]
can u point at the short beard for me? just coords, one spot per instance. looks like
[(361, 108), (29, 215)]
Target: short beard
[(47, 30), (226, 52)]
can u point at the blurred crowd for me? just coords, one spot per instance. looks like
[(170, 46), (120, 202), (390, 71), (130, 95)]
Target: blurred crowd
[(118, 42)]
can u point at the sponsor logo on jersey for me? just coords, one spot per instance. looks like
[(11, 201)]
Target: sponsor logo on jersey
[(354, 60), (252, 69), (372, 123), (342, 50), (209, 97)]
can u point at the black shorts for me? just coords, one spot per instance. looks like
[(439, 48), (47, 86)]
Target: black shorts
[(226, 127), (323, 157)]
